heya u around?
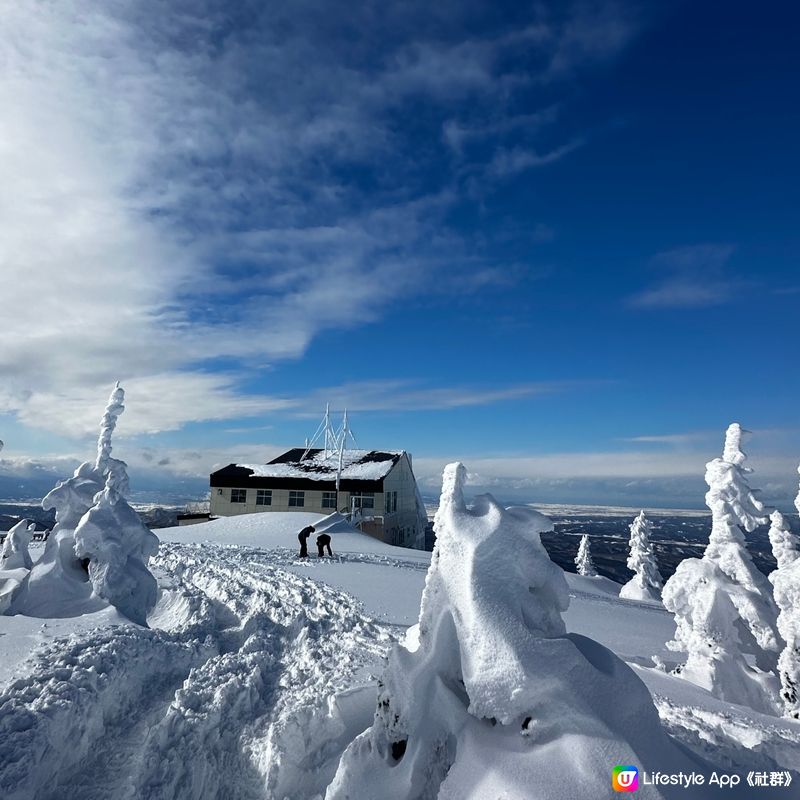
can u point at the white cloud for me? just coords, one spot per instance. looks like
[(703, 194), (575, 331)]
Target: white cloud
[(517, 159), (407, 395), (173, 196), (696, 277)]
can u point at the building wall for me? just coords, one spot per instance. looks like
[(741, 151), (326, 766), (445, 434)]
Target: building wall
[(400, 527), (222, 506)]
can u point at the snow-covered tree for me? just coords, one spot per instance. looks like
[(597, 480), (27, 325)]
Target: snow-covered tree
[(785, 545), (492, 674), (97, 552), (723, 605), (583, 561), (117, 544), (646, 583), (786, 583), (15, 547)]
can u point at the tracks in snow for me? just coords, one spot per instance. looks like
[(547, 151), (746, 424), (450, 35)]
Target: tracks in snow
[(230, 695)]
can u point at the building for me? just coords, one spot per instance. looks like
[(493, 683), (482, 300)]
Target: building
[(375, 489)]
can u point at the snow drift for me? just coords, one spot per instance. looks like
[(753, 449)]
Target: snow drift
[(494, 697), (98, 550)]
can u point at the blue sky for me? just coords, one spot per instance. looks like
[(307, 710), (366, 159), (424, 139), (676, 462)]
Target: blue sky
[(556, 241)]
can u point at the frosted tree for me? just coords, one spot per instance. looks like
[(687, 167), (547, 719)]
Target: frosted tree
[(98, 550), (785, 545), (786, 583), (723, 606), (15, 547), (15, 562), (492, 674), (583, 561), (646, 583)]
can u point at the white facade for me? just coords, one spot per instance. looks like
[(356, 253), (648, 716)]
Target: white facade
[(386, 508)]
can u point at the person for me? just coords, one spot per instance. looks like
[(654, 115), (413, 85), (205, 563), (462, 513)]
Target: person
[(323, 541), (303, 538)]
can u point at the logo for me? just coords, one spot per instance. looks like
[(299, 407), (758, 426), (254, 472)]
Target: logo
[(624, 779)]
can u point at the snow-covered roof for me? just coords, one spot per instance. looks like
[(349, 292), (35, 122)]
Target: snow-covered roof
[(365, 465)]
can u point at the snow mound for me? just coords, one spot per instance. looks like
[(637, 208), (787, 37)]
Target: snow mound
[(15, 561), (271, 530), (494, 698), (15, 547)]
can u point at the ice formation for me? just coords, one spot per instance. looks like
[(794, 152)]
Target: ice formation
[(785, 545), (15, 561), (98, 550), (786, 583), (723, 605), (646, 584), (494, 698), (15, 547), (583, 561)]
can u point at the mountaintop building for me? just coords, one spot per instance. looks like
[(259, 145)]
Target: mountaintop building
[(375, 489)]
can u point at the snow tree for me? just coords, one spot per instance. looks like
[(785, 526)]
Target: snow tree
[(785, 545), (646, 583), (723, 605), (583, 561), (118, 545), (786, 583), (15, 547), (492, 674), (97, 552)]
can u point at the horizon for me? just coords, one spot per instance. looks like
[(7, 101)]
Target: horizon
[(527, 238)]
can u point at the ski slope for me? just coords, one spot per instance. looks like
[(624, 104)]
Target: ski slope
[(258, 669)]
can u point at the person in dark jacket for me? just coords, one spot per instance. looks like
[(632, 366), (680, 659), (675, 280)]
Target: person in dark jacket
[(303, 538), (323, 541)]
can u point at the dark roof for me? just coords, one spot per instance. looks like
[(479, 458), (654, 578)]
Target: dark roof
[(363, 470)]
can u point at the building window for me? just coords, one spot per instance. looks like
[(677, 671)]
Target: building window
[(297, 499), (263, 497), (329, 499), (363, 499), (238, 495), (390, 501)]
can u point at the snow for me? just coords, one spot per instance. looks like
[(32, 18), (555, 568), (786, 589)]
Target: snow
[(258, 670), (646, 583), (785, 545), (786, 584), (15, 553), (583, 561), (723, 606), (98, 550), (365, 465), (494, 698)]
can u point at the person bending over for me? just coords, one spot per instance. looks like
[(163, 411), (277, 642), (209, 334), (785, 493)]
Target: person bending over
[(323, 541)]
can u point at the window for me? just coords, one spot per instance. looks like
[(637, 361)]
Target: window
[(390, 500), (297, 499), (238, 495), (363, 499), (329, 499), (263, 497)]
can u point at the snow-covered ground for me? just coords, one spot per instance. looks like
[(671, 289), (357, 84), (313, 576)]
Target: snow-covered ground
[(258, 669)]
